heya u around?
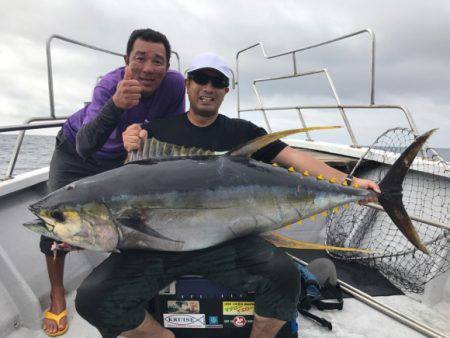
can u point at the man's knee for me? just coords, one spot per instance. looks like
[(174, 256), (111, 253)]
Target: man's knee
[(88, 302), (268, 326), (283, 274), (280, 290)]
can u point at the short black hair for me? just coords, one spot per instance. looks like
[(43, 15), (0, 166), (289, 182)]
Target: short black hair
[(149, 35)]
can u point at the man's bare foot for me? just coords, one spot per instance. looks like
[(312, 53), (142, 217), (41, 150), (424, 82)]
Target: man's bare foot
[(58, 299)]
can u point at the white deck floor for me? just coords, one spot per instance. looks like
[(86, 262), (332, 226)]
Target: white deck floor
[(356, 320)]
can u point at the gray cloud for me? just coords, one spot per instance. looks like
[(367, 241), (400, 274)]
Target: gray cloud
[(412, 53)]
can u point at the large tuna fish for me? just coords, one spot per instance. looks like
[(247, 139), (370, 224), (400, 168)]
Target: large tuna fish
[(194, 202)]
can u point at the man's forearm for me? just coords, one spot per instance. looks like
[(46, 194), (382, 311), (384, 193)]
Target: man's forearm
[(304, 162), (93, 135)]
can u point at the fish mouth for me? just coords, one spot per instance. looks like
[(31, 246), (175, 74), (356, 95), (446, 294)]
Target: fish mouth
[(40, 227), (35, 223)]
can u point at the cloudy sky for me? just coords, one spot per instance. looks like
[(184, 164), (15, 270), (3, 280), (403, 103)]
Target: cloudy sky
[(412, 55)]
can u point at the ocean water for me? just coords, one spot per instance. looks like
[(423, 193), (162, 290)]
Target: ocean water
[(37, 150), (35, 153)]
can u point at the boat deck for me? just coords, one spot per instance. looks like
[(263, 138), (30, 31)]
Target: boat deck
[(355, 320)]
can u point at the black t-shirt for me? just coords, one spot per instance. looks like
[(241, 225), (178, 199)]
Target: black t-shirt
[(222, 135)]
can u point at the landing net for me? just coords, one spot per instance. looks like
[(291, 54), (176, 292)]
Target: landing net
[(426, 194)]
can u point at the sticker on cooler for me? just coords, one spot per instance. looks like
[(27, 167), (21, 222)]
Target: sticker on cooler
[(239, 321), (183, 306), (213, 320), (238, 308), (213, 323), (192, 320)]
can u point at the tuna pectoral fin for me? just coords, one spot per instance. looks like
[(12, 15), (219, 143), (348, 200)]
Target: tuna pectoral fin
[(137, 224), (254, 145), (391, 192), (287, 242)]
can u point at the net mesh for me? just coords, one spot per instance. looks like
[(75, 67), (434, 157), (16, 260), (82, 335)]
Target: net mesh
[(426, 194)]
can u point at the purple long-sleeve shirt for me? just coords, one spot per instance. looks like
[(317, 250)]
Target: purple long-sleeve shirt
[(167, 100)]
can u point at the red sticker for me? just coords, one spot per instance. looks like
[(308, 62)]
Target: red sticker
[(239, 321)]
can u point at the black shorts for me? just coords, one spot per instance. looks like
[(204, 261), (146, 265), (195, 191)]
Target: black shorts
[(66, 167), (114, 296)]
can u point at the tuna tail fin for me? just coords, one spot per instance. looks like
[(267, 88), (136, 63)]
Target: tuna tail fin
[(391, 191), (247, 149)]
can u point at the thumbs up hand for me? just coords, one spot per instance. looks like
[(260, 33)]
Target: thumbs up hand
[(128, 92)]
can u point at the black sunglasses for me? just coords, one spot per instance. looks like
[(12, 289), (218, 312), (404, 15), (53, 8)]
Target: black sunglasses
[(202, 79)]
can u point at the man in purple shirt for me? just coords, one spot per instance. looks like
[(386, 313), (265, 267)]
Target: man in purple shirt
[(90, 141)]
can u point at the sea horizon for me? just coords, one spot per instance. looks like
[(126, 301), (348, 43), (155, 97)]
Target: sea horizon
[(36, 152)]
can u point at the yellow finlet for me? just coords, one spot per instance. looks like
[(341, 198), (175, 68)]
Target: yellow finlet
[(320, 177), (299, 222), (291, 169), (332, 180), (275, 164), (325, 213), (346, 206), (336, 209), (306, 173), (288, 242), (356, 185), (312, 218), (345, 183)]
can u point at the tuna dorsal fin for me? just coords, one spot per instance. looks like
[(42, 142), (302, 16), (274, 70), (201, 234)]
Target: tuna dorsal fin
[(154, 149), (249, 148)]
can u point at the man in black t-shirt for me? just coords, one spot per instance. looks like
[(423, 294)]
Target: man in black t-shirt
[(112, 298)]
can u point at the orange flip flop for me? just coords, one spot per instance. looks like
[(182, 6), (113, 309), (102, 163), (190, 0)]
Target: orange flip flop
[(57, 319)]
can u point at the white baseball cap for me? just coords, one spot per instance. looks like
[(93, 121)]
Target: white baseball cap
[(210, 60)]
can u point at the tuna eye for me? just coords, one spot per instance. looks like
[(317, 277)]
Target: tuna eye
[(57, 215)]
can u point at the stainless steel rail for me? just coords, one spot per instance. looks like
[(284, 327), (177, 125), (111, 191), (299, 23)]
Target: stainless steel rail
[(404, 109), (49, 64), (19, 127), (302, 120), (295, 51), (339, 106), (295, 73), (19, 140)]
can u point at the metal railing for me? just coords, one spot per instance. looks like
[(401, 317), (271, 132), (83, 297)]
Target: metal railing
[(22, 128), (333, 89), (338, 105), (295, 73)]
